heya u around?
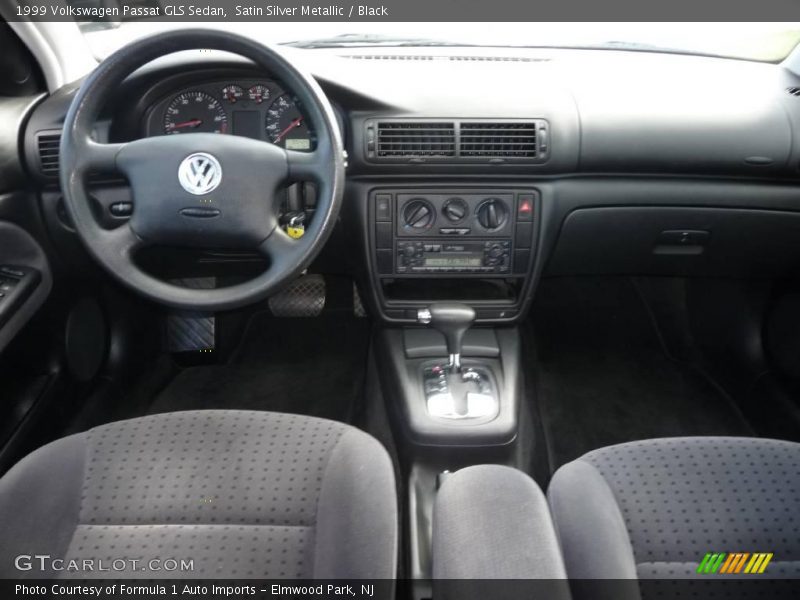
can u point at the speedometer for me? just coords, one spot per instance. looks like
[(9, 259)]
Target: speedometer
[(195, 112), (286, 125)]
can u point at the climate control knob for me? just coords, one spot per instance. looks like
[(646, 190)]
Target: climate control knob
[(455, 209), (492, 214), (418, 214)]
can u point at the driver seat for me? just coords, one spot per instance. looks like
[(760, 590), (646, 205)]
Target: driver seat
[(242, 494)]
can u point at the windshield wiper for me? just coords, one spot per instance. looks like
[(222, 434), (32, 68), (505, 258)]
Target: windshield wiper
[(357, 39)]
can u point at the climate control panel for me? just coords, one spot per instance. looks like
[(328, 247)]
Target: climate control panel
[(451, 214)]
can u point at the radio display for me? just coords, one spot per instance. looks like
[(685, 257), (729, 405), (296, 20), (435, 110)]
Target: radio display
[(454, 261)]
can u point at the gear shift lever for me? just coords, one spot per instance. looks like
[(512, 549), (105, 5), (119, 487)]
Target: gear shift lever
[(451, 319)]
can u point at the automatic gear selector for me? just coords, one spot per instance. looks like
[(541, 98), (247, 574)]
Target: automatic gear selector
[(454, 390), (452, 320)]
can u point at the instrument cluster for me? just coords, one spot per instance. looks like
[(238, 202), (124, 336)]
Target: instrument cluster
[(254, 108)]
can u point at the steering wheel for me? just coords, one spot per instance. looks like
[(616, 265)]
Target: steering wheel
[(202, 190)]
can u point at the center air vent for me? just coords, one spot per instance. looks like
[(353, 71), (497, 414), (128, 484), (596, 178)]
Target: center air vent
[(502, 140), (415, 139), (459, 141), (47, 147)]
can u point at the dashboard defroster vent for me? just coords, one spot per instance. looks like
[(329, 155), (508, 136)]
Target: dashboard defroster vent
[(498, 139), (47, 147), (410, 139), (453, 58)]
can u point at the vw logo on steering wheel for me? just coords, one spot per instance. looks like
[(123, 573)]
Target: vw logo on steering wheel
[(200, 173)]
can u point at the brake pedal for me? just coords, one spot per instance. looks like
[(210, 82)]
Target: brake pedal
[(304, 297)]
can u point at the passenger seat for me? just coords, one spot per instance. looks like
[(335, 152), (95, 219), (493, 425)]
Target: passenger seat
[(653, 509), (650, 509)]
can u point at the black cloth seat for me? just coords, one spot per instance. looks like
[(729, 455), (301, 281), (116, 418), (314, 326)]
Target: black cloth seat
[(243, 494), (652, 509)]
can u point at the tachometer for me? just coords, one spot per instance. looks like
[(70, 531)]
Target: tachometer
[(286, 125), (195, 112)]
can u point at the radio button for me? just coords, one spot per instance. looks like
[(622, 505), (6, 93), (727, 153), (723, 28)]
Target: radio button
[(496, 251)]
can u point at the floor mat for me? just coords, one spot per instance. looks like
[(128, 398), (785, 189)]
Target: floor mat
[(311, 366), (602, 377)]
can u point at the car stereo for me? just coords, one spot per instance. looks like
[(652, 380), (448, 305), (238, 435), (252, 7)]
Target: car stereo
[(435, 256)]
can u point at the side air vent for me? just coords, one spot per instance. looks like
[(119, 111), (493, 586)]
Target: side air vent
[(47, 146), (794, 91), (459, 141), (501, 140), (408, 139)]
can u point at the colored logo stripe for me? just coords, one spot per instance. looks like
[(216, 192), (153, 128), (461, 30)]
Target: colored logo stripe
[(726, 566), (758, 563), (711, 562), (738, 562), (734, 563)]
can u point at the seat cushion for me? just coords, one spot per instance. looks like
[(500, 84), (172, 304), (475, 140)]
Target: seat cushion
[(654, 508), (241, 493)]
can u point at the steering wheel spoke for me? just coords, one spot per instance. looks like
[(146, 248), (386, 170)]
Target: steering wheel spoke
[(277, 244), (307, 166), (122, 241), (99, 157)]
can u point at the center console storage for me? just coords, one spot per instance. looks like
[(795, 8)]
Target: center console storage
[(493, 522)]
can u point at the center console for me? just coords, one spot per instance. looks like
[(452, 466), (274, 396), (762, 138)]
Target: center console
[(471, 244), (451, 270), (454, 392)]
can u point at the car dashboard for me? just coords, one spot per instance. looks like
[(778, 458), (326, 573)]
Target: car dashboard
[(472, 173)]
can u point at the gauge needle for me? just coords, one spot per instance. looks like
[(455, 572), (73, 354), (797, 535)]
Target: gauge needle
[(191, 123), (292, 125)]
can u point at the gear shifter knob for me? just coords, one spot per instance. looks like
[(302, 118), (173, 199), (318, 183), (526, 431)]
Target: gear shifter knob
[(451, 319)]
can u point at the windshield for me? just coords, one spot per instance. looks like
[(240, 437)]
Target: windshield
[(751, 41)]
